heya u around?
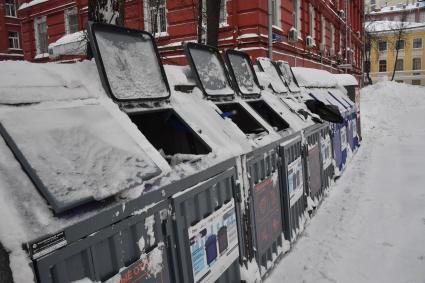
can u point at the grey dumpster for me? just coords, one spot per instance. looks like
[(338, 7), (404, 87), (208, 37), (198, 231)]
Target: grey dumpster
[(314, 170), (263, 231)]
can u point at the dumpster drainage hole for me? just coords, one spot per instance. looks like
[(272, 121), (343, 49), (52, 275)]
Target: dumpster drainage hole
[(171, 136), (269, 115), (241, 117)]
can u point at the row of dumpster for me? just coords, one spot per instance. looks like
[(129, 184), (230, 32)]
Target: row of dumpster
[(199, 173)]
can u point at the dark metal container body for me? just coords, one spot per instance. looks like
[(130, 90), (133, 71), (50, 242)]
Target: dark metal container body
[(313, 165), (265, 205), (200, 213), (327, 156), (101, 255), (295, 205)]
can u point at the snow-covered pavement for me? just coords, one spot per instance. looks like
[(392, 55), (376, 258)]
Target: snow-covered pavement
[(371, 227)]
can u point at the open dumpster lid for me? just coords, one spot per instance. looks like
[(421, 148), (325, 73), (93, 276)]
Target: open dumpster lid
[(128, 63), (75, 155), (209, 70), (242, 73), (267, 66), (288, 75)]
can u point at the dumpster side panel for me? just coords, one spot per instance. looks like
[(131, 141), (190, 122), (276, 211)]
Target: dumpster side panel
[(327, 156), (102, 255), (5, 272), (207, 231), (337, 146), (294, 208), (266, 210), (314, 168)]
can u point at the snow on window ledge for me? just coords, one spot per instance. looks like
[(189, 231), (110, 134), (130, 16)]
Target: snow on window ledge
[(161, 34), (277, 27), (41, 55)]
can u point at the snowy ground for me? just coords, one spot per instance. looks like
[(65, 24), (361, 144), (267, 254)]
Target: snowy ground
[(371, 227)]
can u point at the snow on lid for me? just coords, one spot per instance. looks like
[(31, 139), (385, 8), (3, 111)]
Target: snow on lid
[(79, 36), (269, 68), (211, 72), (131, 65), (346, 79), (309, 77), (244, 75), (379, 26), (25, 82), (31, 3), (288, 76), (76, 154)]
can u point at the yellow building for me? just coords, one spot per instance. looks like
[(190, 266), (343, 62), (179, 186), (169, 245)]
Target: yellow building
[(410, 65)]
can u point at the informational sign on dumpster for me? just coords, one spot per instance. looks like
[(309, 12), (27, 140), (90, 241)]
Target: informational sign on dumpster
[(267, 211), (295, 180), (343, 132), (326, 152), (354, 127), (314, 172), (150, 268), (214, 244)]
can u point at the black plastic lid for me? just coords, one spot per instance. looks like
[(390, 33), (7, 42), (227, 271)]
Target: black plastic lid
[(210, 71), (128, 62), (278, 85), (243, 74)]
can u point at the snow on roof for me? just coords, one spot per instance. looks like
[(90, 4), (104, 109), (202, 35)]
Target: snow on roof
[(31, 3), (309, 77), (399, 7), (379, 26), (346, 79)]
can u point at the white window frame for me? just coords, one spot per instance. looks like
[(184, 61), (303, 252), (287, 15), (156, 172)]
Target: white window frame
[(413, 41), (10, 9), (332, 36), (14, 39), (422, 17), (413, 63), (297, 16), (223, 13), (37, 22), (147, 21), (276, 13), (402, 65), (70, 12), (312, 14)]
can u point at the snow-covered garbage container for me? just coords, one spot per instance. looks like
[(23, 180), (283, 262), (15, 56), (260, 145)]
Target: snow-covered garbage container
[(320, 86), (315, 172), (193, 139), (351, 85), (263, 127)]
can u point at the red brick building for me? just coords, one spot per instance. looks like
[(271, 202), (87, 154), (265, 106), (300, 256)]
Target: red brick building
[(310, 33), (10, 31)]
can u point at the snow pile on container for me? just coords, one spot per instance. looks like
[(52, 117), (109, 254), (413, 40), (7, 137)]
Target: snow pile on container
[(309, 77)]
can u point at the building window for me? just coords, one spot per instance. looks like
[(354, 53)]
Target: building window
[(399, 65), (332, 37), (223, 12), (416, 82), (297, 16), (275, 12), (10, 8), (382, 65), (41, 37), (422, 17), (416, 64), (155, 16), (382, 46), (13, 40), (400, 44), (71, 20), (312, 21), (417, 43)]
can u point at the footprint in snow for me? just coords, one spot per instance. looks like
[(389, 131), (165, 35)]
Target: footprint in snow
[(386, 244)]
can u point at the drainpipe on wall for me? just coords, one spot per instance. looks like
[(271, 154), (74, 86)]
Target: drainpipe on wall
[(346, 32), (270, 29)]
